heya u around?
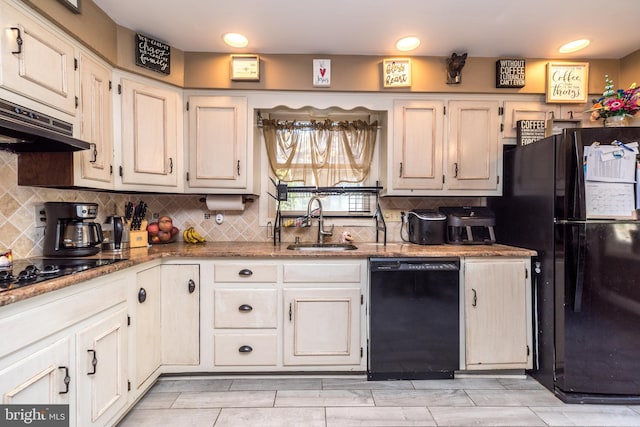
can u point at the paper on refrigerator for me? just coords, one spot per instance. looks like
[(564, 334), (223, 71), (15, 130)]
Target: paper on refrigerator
[(610, 174)]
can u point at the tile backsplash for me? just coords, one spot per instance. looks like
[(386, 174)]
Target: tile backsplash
[(20, 232)]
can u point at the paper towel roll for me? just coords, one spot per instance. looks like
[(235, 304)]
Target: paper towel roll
[(219, 203)]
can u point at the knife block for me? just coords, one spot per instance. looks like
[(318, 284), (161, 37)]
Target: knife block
[(139, 238)]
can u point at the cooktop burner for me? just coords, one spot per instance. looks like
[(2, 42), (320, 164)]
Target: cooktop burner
[(37, 270)]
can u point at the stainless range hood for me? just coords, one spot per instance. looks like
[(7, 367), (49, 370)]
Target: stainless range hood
[(25, 130)]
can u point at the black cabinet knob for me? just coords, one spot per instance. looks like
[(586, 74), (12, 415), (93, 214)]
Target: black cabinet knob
[(245, 272), (142, 295), (245, 349), (191, 286), (245, 308)]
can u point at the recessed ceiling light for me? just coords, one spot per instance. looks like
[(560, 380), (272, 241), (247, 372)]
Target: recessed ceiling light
[(235, 40), (574, 46), (407, 43)]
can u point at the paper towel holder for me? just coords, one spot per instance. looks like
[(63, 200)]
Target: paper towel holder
[(245, 198)]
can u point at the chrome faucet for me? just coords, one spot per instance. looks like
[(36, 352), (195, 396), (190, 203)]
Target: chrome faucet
[(321, 230)]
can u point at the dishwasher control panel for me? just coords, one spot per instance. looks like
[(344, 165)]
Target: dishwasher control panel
[(414, 264)]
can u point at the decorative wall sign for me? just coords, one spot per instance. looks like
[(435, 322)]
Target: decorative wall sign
[(321, 72), (510, 73), (530, 131), (73, 5), (245, 67), (153, 54), (567, 82), (396, 72)]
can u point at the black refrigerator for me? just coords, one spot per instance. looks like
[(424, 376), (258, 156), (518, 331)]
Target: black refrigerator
[(586, 279)]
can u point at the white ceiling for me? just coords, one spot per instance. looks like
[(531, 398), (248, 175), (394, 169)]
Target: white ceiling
[(482, 28)]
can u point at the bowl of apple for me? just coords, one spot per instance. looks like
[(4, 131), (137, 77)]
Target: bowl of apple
[(162, 231)]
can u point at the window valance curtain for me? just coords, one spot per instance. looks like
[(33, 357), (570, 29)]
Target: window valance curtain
[(320, 153)]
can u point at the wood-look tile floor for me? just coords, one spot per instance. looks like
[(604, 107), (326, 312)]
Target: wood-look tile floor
[(349, 401)]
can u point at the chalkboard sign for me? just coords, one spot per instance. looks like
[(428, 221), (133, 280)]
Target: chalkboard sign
[(153, 54), (510, 73), (529, 131)]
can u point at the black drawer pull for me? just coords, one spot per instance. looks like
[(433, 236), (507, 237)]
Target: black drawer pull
[(94, 362), (245, 272), (67, 379), (245, 349), (192, 286), (142, 295), (245, 308)]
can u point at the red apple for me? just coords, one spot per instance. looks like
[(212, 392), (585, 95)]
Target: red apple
[(164, 236), (174, 231), (155, 239), (165, 223), (153, 228)]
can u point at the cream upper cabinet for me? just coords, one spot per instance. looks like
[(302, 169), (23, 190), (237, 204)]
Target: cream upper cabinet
[(150, 145), (472, 148), (38, 61), (102, 369), (180, 314), (497, 312), (94, 167), (218, 151), (417, 146), (526, 110)]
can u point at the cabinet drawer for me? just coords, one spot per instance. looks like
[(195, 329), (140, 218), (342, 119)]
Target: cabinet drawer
[(245, 308), (245, 273), (245, 350), (322, 273)]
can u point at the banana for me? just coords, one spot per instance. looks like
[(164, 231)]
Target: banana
[(185, 236), (197, 236)]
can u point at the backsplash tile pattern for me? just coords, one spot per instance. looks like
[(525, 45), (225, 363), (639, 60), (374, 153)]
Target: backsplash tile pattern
[(19, 231)]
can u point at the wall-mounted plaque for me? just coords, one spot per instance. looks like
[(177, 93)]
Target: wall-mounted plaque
[(530, 131), (396, 72), (567, 82), (245, 67), (321, 72), (510, 73), (153, 54)]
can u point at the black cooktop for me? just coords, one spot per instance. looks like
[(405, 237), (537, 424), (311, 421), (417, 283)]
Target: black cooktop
[(31, 271)]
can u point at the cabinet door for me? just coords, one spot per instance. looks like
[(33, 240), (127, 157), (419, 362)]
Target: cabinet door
[(41, 67), (218, 142), (322, 326), (96, 126), (497, 314), (180, 314), (417, 145), (102, 369), (147, 324), (473, 145), (526, 110), (149, 135), (40, 377)]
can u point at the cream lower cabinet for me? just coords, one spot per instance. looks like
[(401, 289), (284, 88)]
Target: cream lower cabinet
[(180, 314), (280, 315), (322, 319), (101, 350), (497, 313), (145, 321)]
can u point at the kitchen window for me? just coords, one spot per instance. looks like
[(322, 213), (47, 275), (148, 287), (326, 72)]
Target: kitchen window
[(323, 149)]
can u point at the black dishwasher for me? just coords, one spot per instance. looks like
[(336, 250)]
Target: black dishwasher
[(414, 321)]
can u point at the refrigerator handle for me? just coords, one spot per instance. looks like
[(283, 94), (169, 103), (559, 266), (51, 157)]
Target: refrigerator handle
[(582, 241), (579, 176)]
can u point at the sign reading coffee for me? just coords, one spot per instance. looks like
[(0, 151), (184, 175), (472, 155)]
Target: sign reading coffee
[(510, 73), (153, 54), (529, 131)]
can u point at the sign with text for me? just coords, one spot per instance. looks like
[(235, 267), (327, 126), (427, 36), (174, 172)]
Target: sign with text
[(396, 72), (153, 54), (49, 415), (529, 131), (567, 82), (510, 73)]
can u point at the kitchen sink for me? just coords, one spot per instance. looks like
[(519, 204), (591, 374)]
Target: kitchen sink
[(322, 247)]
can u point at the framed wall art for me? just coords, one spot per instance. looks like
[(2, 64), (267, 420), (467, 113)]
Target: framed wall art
[(396, 72), (73, 5), (245, 68), (567, 82)]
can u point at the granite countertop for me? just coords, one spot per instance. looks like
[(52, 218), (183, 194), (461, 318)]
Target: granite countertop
[(255, 250)]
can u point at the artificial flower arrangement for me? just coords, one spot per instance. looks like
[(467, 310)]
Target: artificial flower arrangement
[(615, 102)]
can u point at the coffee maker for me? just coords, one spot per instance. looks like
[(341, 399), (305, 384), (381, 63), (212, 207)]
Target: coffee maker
[(69, 231)]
